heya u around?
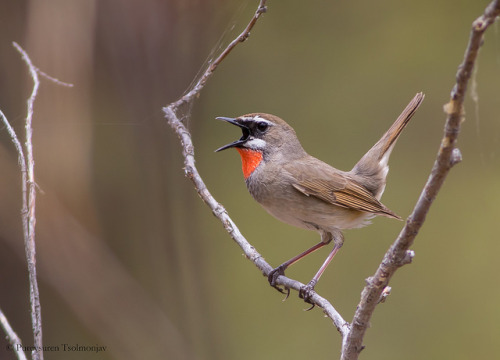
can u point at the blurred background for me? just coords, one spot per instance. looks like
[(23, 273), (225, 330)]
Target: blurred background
[(129, 257)]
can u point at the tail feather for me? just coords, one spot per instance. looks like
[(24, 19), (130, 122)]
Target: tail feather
[(373, 166), (386, 143), (384, 146)]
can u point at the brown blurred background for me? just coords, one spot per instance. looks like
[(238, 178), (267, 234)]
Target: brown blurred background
[(128, 256)]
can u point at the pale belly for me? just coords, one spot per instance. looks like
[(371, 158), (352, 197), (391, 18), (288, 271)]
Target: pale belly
[(317, 215)]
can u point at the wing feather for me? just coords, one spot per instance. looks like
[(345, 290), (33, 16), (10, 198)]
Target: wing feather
[(340, 190)]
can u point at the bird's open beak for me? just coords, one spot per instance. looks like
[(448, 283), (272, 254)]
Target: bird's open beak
[(244, 137)]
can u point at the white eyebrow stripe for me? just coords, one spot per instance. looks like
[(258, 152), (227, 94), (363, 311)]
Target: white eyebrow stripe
[(257, 118), (263, 120)]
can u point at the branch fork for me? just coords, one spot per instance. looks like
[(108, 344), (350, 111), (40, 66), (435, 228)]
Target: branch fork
[(29, 190)]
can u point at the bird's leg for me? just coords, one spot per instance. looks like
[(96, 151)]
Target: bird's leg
[(306, 291), (280, 270)]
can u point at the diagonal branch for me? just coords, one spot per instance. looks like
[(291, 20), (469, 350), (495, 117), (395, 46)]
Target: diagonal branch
[(217, 209), (12, 337), (448, 156), (261, 9)]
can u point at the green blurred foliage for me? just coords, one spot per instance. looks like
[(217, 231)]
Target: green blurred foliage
[(130, 258)]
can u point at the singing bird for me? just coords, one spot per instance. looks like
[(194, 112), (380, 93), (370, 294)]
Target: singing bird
[(303, 191)]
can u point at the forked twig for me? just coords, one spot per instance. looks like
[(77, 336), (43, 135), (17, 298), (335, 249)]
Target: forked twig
[(27, 164), (28, 188)]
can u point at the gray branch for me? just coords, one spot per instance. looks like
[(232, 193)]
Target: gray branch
[(448, 155), (29, 188), (12, 337), (29, 206)]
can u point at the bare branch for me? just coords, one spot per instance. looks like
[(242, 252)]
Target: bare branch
[(53, 79), (22, 163), (261, 9), (28, 187), (29, 205), (12, 337), (448, 156), (27, 164)]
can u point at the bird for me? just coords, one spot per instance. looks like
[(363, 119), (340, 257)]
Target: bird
[(306, 192)]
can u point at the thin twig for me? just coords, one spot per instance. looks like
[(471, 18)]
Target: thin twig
[(261, 9), (24, 211), (53, 79), (447, 157), (29, 205), (12, 337), (28, 188), (22, 163)]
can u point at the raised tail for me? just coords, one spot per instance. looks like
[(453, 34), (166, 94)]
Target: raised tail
[(374, 164)]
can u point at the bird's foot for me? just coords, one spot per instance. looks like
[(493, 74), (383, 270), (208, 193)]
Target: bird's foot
[(273, 276), (307, 292)]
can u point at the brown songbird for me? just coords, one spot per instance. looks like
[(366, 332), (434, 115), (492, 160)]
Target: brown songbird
[(303, 191)]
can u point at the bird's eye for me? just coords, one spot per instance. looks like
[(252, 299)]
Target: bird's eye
[(262, 126)]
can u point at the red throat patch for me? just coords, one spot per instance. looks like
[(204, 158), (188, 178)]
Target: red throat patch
[(250, 159)]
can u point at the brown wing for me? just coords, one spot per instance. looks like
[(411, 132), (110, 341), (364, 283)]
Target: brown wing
[(340, 190)]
